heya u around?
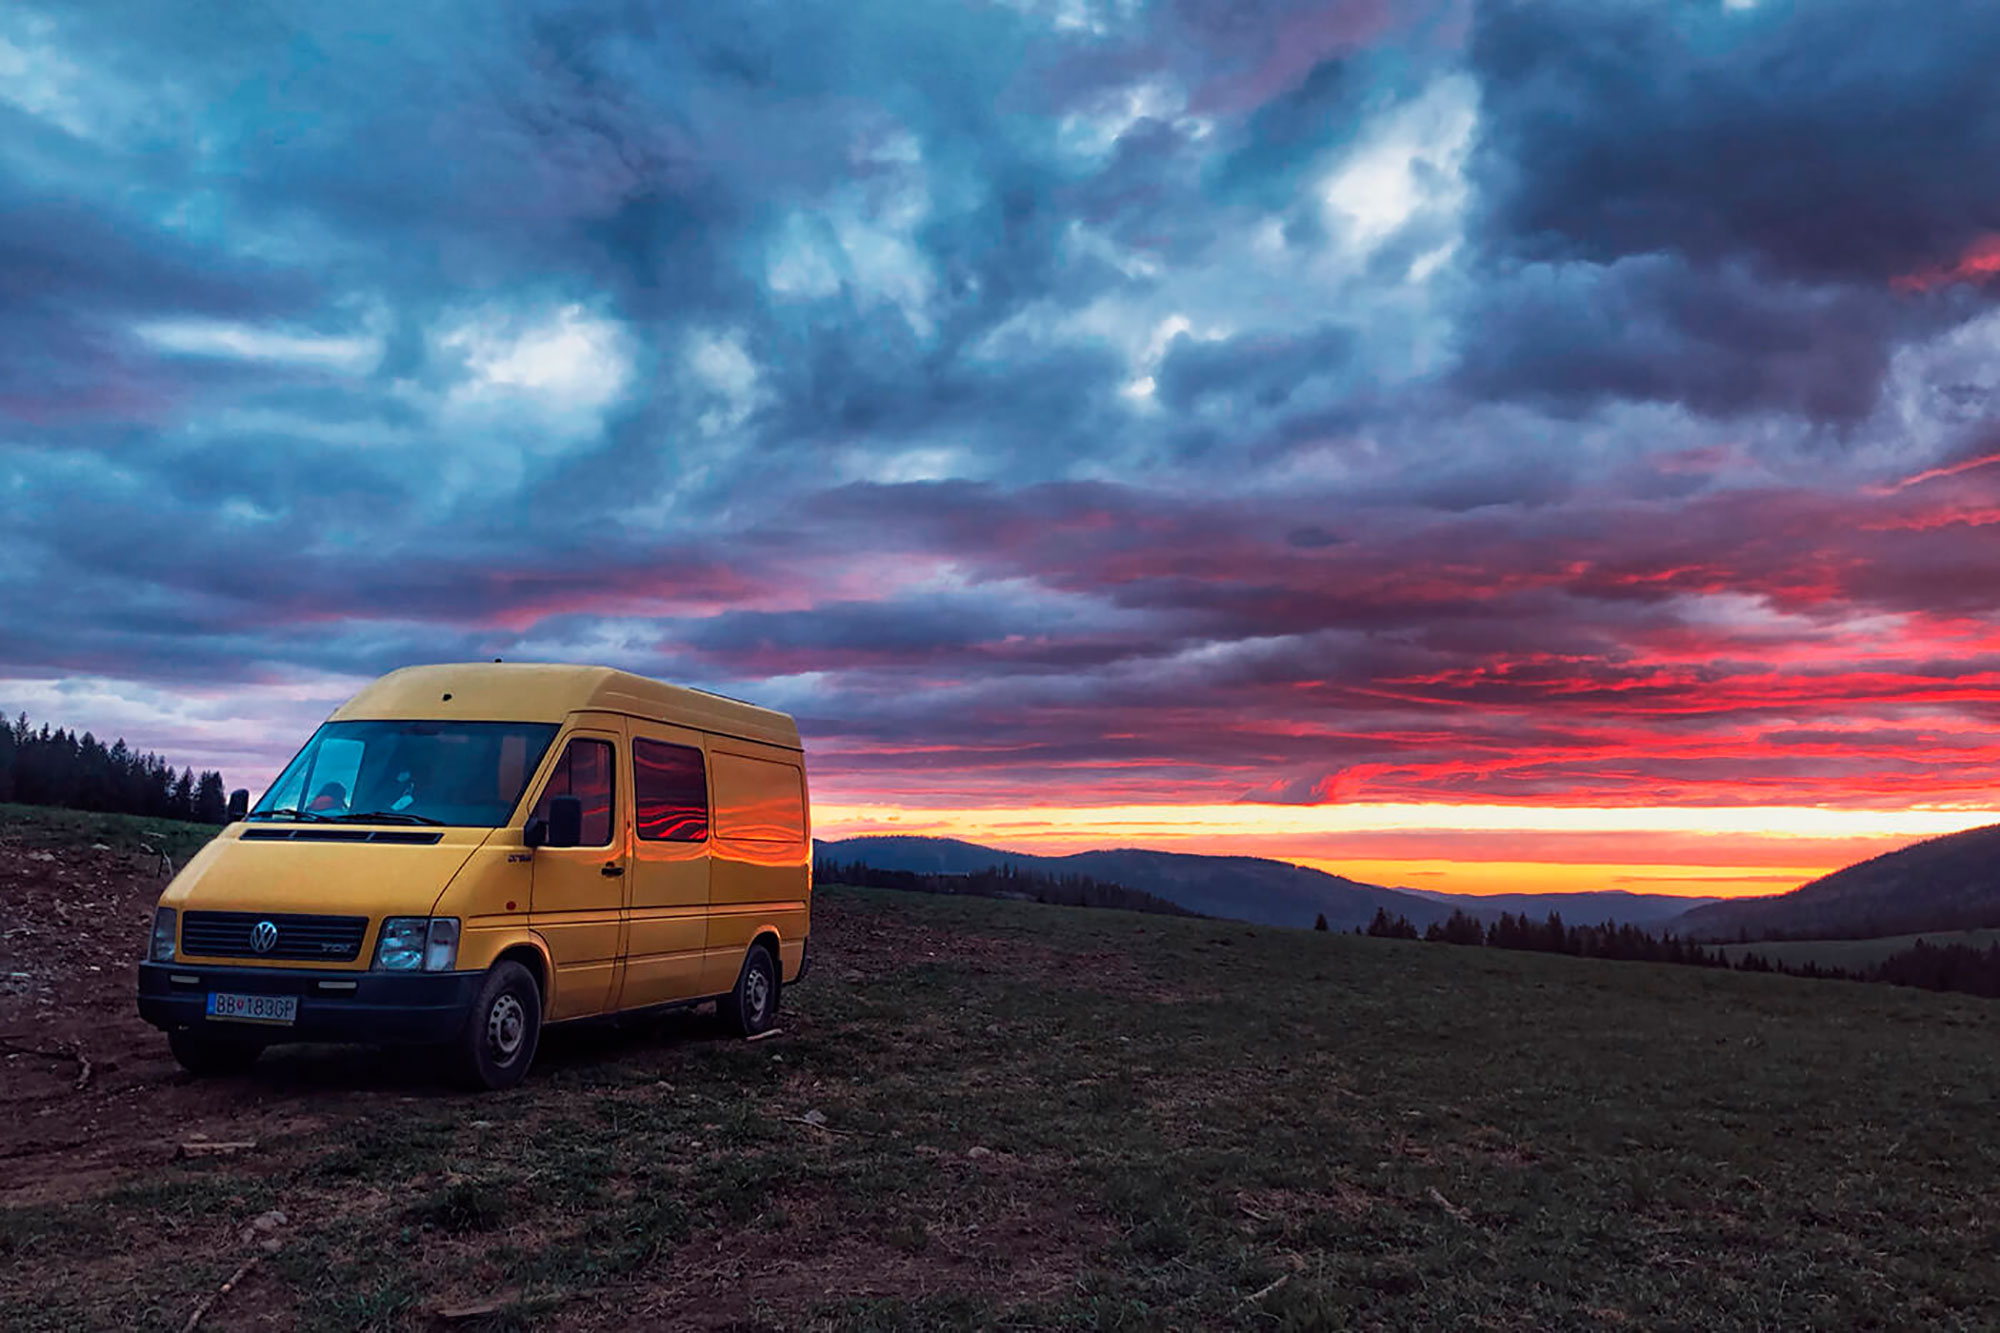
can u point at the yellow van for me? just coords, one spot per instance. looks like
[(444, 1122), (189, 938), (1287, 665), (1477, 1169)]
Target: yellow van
[(461, 854)]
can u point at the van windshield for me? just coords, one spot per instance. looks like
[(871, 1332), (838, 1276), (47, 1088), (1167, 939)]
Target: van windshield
[(417, 772)]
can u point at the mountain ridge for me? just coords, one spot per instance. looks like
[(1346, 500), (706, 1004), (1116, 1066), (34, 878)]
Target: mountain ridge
[(1945, 883), (1247, 888)]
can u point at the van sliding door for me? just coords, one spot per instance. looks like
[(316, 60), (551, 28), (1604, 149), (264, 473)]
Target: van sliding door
[(668, 908)]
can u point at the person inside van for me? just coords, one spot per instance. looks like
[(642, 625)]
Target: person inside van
[(331, 797)]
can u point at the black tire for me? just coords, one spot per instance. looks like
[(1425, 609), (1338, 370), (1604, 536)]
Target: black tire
[(207, 1056), (502, 1030), (753, 1006)]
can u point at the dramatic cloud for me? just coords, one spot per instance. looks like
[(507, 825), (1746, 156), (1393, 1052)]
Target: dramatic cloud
[(1268, 407)]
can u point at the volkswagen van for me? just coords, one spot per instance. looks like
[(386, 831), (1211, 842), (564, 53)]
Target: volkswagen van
[(463, 854)]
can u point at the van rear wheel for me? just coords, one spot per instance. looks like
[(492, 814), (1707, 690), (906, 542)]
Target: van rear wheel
[(502, 1030), (207, 1056), (753, 1006)]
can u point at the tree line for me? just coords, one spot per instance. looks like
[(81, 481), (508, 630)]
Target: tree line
[(47, 766), (1000, 882), (1937, 967)]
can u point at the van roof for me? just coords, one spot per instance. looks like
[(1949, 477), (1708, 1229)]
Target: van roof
[(549, 692)]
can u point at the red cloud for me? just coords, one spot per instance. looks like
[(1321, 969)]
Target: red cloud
[(1980, 262)]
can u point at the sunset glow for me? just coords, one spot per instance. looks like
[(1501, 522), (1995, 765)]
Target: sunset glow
[(1718, 852), (1299, 432)]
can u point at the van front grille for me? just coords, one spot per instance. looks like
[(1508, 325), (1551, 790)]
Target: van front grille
[(318, 939)]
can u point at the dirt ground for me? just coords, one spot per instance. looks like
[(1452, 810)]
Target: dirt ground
[(92, 1104), (89, 1090)]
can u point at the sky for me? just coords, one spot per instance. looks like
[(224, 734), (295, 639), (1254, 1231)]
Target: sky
[(1477, 446)]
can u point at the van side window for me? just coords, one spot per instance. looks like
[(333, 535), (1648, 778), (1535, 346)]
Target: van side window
[(757, 800), (670, 791), (584, 770)]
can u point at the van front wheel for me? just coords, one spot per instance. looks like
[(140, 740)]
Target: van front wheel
[(502, 1030), (753, 1006)]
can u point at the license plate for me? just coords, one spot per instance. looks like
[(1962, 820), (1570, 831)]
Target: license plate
[(253, 1008)]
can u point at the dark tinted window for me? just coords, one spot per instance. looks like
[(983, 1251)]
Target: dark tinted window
[(670, 792), (584, 770)]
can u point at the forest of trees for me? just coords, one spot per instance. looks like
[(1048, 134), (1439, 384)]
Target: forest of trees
[(1001, 882), (1948, 967), (49, 767)]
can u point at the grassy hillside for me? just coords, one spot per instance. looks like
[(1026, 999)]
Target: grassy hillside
[(43, 827), (1948, 883), (984, 1112), (1854, 955)]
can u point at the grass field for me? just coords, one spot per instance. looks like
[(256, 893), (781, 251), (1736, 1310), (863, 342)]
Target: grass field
[(44, 826), (1854, 955), (986, 1113)]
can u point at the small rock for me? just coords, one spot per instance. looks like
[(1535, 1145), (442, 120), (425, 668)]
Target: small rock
[(481, 1124), (41, 856), (978, 1152), (814, 1117), (265, 1226)]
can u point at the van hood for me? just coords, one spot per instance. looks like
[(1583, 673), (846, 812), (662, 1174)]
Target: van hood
[(271, 872)]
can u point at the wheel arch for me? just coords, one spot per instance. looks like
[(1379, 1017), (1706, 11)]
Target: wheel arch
[(531, 953), (767, 935)]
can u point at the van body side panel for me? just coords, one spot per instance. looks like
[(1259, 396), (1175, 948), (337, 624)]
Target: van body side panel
[(761, 862), (578, 896), (667, 903)]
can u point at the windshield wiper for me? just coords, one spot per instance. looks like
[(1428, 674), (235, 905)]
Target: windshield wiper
[(289, 812), (385, 817)]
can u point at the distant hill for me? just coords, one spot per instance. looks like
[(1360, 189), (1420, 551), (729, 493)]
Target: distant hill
[(1249, 888), (1648, 911), (1948, 883), (1245, 888)]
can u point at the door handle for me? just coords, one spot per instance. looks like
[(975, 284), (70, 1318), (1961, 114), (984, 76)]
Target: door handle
[(611, 871)]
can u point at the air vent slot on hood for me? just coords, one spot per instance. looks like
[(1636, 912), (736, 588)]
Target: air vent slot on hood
[(404, 837)]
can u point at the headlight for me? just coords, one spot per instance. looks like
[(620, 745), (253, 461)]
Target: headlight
[(413, 943), (162, 950)]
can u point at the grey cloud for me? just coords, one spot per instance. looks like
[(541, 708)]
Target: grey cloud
[(1257, 370), (1827, 140), (1653, 328)]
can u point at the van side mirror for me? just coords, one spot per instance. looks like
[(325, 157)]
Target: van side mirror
[(239, 804), (562, 828)]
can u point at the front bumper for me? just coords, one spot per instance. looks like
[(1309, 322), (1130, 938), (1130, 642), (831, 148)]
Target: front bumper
[(387, 1007)]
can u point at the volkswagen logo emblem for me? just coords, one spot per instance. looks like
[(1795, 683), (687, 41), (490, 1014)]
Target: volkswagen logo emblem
[(263, 937)]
